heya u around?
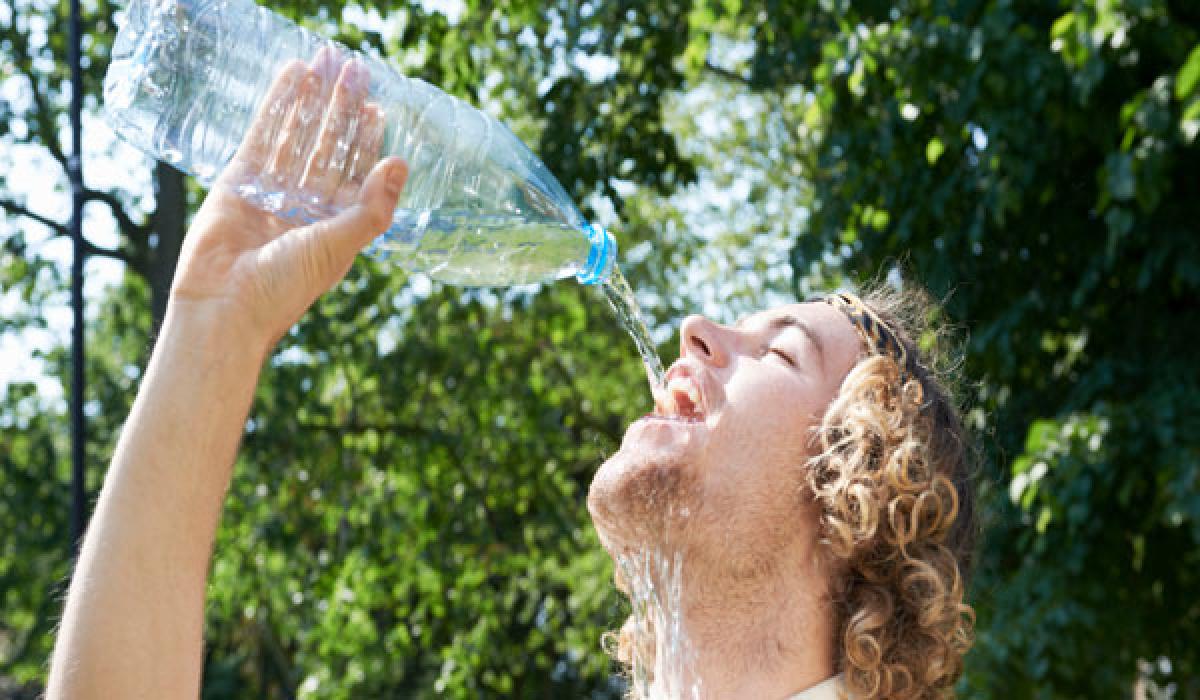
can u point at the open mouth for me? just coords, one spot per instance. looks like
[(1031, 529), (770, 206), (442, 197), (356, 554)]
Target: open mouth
[(681, 400)]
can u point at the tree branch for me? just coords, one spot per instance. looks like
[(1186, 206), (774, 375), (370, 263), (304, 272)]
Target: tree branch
[(126, 224), (90, 248), (22, 210), (44, 116), (45, 123), (726, 73)]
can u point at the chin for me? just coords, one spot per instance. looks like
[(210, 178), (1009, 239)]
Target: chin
[(640, 494)]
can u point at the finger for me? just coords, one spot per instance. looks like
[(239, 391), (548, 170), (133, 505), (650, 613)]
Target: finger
[(366, 153), (327, 64), (324, 68), (369, 143), (256, 148), (325, 168), (322, 252), (298, 134)]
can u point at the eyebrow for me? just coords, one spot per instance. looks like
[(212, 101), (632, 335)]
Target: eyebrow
[(781, 323)]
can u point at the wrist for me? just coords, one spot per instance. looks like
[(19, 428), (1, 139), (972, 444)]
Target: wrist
[(203, 328)]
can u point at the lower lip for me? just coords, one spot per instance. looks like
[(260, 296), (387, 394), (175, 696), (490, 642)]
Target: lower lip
[(660, 431), (672, 419)]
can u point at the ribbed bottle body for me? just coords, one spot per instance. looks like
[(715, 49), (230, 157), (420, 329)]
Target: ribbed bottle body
[(187, 78)]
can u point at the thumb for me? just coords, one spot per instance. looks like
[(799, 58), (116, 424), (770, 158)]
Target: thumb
[(325, 250), (322, 252), (371, 215)]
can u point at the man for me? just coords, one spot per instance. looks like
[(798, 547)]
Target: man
[(796, 516), (778, 527)]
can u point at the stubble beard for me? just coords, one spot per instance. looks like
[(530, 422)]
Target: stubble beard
[(644, 501), (654, 509)]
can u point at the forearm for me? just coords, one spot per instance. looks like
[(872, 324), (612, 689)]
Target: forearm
[(134, 617)]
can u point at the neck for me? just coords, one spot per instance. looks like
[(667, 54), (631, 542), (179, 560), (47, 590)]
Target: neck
[(767, 635)]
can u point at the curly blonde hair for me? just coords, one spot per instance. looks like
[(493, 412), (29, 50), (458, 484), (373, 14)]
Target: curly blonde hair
[(892, 478)]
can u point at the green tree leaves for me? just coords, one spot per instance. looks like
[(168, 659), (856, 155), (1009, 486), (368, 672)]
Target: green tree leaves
[(407, 517), (1036, 170)]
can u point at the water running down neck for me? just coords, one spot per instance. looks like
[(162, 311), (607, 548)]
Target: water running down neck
[(666, 671)]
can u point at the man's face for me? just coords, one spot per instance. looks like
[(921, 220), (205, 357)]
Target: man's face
[(719, 465)]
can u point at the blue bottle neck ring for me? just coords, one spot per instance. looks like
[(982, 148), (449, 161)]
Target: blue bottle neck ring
[(602, 256)]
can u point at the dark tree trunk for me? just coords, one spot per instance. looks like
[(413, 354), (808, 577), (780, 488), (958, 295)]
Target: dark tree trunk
[(170, 224)]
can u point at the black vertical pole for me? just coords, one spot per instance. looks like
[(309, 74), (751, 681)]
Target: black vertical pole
[(75, 173)]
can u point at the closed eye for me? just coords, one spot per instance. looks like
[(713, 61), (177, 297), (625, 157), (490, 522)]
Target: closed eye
[(786, 357)]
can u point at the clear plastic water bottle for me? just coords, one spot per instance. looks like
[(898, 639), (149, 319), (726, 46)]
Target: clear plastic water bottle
[(187, 78)]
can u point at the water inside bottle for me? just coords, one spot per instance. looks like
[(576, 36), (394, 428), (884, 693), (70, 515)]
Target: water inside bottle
[(621, 298), (474, 248)]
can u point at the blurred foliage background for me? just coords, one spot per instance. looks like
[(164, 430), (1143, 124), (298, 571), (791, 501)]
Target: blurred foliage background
[(407, 517)]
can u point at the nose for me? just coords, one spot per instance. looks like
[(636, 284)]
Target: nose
[(704, 340)]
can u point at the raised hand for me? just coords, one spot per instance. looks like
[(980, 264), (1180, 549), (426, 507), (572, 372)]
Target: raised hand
[(133, 622), (314, 135)]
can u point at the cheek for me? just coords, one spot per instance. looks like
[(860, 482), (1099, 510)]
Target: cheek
[(765, 430), (777, 410)]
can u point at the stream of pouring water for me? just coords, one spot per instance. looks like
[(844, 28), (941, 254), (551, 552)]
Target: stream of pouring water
[(624, 304), (663, 656)]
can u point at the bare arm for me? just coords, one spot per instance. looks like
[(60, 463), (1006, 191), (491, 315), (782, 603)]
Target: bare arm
[(134, 617)]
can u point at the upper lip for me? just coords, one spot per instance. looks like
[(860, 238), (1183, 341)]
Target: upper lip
[(666, 400)]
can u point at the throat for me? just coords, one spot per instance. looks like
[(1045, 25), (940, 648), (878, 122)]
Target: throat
[(696, 635)]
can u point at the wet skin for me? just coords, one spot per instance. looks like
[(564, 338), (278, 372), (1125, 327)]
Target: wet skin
[(759, 388)]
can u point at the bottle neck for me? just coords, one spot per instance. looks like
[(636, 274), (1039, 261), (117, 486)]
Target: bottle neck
[(602, 255)]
